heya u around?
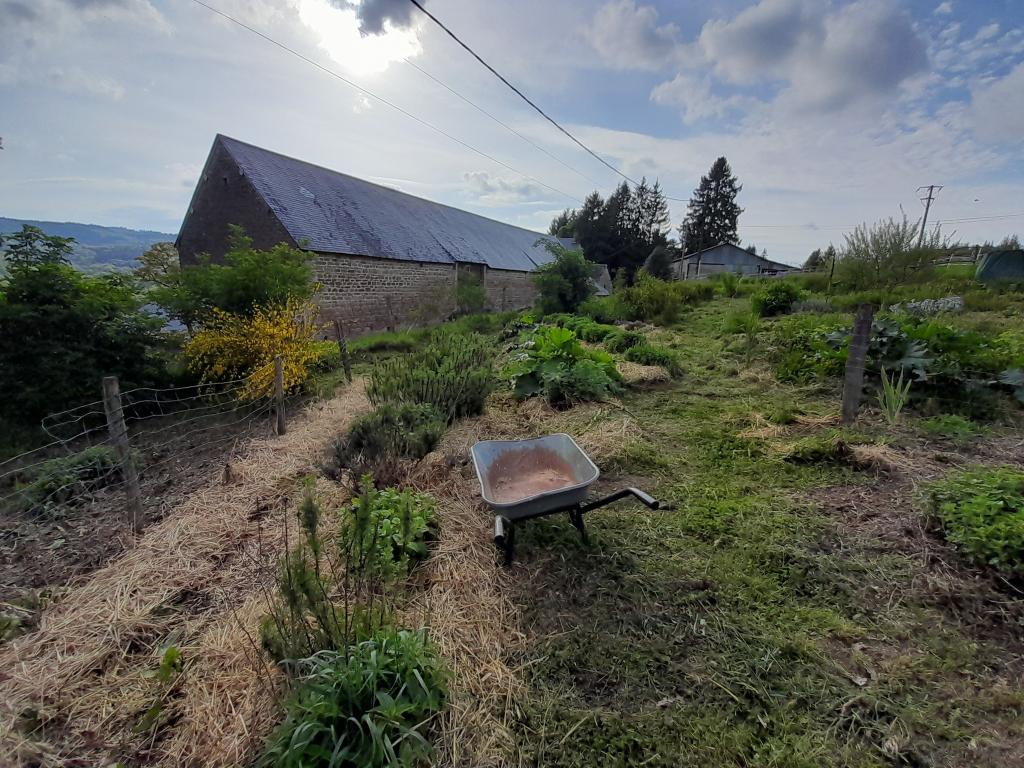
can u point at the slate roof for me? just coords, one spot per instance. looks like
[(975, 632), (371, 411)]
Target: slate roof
[(332, 212)]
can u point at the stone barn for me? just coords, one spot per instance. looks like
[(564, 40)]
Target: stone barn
[(383, 257)]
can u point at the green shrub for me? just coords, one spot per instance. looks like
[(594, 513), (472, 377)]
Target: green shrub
[(452, 373), (564, 283), (585, 328), (775, 298), (404, 431), (66, 480), (556, 365), (328, 357), (981, 512), (62, 331), (470, 294), (483, 323), (245, 279), (728, 283), (887, 254), (646, 354), (368, 706), (384, 533), (620, 341), (661, 302), (603, 309)]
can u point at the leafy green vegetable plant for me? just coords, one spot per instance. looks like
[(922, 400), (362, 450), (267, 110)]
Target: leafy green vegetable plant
[(367, 706), (981, 512), (555, 364)]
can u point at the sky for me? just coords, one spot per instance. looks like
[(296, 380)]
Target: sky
[(831, 113)]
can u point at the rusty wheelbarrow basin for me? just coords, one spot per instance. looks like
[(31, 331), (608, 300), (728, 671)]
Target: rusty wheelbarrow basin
[(526, 478), (523, 479)]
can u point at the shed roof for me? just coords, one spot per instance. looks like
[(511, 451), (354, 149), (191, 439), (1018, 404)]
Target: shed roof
[(333, 212), (766, 263)]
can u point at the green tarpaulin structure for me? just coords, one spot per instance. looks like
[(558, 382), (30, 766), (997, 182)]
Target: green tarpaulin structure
[(1001, 265)]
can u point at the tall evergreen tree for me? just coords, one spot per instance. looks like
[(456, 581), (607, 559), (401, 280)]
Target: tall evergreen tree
[(815, 261), (712, 213), (564, 224)]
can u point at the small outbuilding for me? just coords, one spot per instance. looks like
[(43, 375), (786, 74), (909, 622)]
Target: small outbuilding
[(725, 257), (383, 257)]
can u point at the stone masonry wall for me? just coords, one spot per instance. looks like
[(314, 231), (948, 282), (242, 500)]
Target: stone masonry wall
[(508, 290), (358, 289)]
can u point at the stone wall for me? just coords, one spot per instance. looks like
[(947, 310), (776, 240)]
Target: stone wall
[(358, 290), (225, 196), (508, 290)]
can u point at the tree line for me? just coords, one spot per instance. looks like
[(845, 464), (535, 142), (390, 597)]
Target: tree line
[(630, 228)]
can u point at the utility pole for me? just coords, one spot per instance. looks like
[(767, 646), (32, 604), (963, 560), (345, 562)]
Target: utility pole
[(933, 189)]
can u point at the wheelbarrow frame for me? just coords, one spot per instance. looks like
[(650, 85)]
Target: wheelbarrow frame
[(505, 528), (571, 499)]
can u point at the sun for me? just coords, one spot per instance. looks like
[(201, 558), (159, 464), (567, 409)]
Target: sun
[(339, 34)]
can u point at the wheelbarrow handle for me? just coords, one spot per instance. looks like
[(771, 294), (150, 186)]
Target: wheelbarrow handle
[(646, 499)]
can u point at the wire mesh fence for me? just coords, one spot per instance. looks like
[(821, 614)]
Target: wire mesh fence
[(123, 443)]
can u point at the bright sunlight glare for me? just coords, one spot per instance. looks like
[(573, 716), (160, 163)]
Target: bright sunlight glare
[(339, 36)]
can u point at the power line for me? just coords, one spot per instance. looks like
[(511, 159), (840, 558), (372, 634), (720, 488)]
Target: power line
[(500, 122), (813, 226), (381, 99), (527, 99)]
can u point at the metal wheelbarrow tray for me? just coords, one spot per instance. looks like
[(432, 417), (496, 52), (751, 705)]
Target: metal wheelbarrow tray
[(524, 479)]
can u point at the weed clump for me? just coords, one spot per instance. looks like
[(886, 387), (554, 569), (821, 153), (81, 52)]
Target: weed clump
[(53, 484), (981, 512), (620, 341), (832, 449), (658, 301)]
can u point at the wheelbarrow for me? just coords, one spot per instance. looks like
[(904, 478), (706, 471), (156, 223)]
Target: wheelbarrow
[(524, 479)]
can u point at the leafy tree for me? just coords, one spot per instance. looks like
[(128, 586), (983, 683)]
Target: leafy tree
[(564, 283), (712, 213), (1010, 243), (33, 246), (248, 279), (62, 331), (751, 249), (815, 261)]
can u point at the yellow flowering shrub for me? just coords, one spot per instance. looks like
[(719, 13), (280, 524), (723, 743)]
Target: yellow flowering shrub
[(231, 346)]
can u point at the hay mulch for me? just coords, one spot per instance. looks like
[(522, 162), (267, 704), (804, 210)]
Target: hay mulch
[(79, 686), (636, 375)]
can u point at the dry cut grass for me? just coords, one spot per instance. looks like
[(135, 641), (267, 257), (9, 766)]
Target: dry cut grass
[(79, 683)]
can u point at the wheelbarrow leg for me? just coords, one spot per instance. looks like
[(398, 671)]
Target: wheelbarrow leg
[(576, 518), (505, 538)]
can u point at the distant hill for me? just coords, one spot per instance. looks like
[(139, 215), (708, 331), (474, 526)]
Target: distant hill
[(99, 249)]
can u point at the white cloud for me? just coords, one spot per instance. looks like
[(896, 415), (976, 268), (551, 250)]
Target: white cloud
[(825, 58), (628, 36), (998, 108), (693, 95), (944, 9), (77, 80), (493, 190)]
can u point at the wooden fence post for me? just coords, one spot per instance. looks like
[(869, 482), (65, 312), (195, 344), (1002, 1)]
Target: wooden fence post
[(279, 422), (119, 437), (346, 364), (853, 382)]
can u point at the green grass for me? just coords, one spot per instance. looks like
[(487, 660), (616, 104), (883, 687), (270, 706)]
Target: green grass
[(740, 626)]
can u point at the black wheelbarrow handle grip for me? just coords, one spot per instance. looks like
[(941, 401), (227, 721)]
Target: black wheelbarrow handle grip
[(648, 500)]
